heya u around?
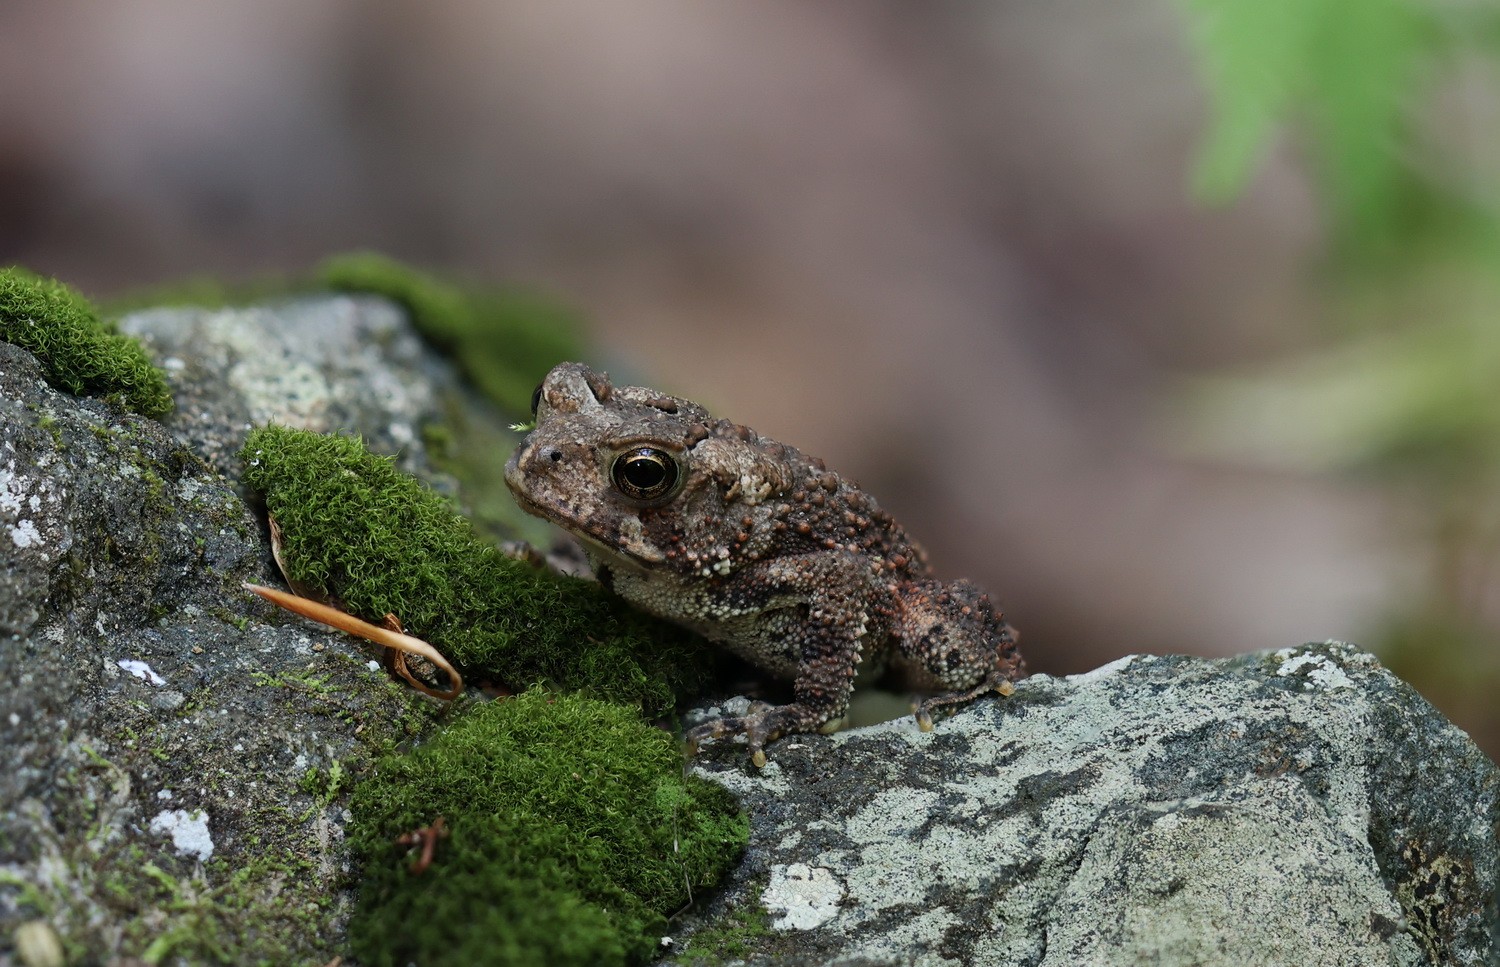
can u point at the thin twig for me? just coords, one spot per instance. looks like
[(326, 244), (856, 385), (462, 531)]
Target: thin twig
[(427, 838), (343, 621)]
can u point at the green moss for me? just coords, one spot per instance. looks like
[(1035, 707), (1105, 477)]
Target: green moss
[(503, 341), (228, 916), (377, 540), (731, 938), (574, 833), (47, 422), (80, 353)]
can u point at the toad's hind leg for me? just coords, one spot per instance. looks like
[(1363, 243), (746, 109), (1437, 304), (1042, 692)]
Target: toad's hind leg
[(951, 640), (999, 683)]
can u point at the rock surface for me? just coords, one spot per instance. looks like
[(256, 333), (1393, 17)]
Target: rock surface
[(351, 364), (1295, 807), (163, 729)]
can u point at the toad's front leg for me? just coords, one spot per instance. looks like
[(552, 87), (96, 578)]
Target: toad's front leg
[(820, 628), (822, 695)]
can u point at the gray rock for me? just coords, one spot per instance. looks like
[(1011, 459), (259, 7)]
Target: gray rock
[(161, 730), (325, 364), (1296, 807)]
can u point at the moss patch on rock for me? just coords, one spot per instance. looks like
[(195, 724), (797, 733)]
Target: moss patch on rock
[(111, 893), (731, 938), (573, 835), (380, 542), (503, 341), (80, 353)]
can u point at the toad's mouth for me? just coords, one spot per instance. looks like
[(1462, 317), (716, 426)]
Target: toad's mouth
[(628, 543), (532, 507)]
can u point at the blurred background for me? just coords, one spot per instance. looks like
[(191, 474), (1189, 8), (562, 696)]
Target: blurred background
[(1171, 322)]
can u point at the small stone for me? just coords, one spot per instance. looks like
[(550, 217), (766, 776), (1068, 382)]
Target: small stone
[(38, 945)]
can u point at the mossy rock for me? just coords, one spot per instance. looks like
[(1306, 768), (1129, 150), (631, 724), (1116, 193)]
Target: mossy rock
[(573, 835), (79, 352), (503, 339), (381, 543)]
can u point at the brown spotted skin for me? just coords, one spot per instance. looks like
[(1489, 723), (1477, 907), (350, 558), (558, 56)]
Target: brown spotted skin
[(755, 546)]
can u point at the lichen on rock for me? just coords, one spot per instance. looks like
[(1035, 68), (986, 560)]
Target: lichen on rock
[(178, 757), (1290, 807), (1300, 806), (153, 707)]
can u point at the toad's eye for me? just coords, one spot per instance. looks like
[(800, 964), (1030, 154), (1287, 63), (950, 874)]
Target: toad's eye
[(536, 398), (645, 473)]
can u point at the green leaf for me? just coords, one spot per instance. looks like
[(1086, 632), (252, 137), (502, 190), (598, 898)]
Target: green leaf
[(1350, 71), (1363, 80), (1254, 55)]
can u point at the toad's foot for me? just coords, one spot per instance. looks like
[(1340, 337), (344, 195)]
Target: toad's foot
[(759, 727), (998, 683)]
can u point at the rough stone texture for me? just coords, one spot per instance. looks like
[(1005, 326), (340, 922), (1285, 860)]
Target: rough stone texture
[(156, 716), (160, 729), (318, 364), (1295, 807)]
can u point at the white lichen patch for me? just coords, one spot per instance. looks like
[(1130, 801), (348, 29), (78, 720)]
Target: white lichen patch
[(1322, 673), (802, 897), (141, 670), (190, 489), (189, 831), (24, 534), (1330, 676), (10, 491), (15, 500), (769, 778), (903, 810)]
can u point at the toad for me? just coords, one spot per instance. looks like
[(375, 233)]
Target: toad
[(755, 546)]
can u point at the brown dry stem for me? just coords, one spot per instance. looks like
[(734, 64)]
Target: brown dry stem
[(401, 642), (427, 838)]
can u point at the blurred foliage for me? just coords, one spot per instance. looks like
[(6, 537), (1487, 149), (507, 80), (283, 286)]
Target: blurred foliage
[(1349, 67), (504, 341), (207, 292), (1404, 389)]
